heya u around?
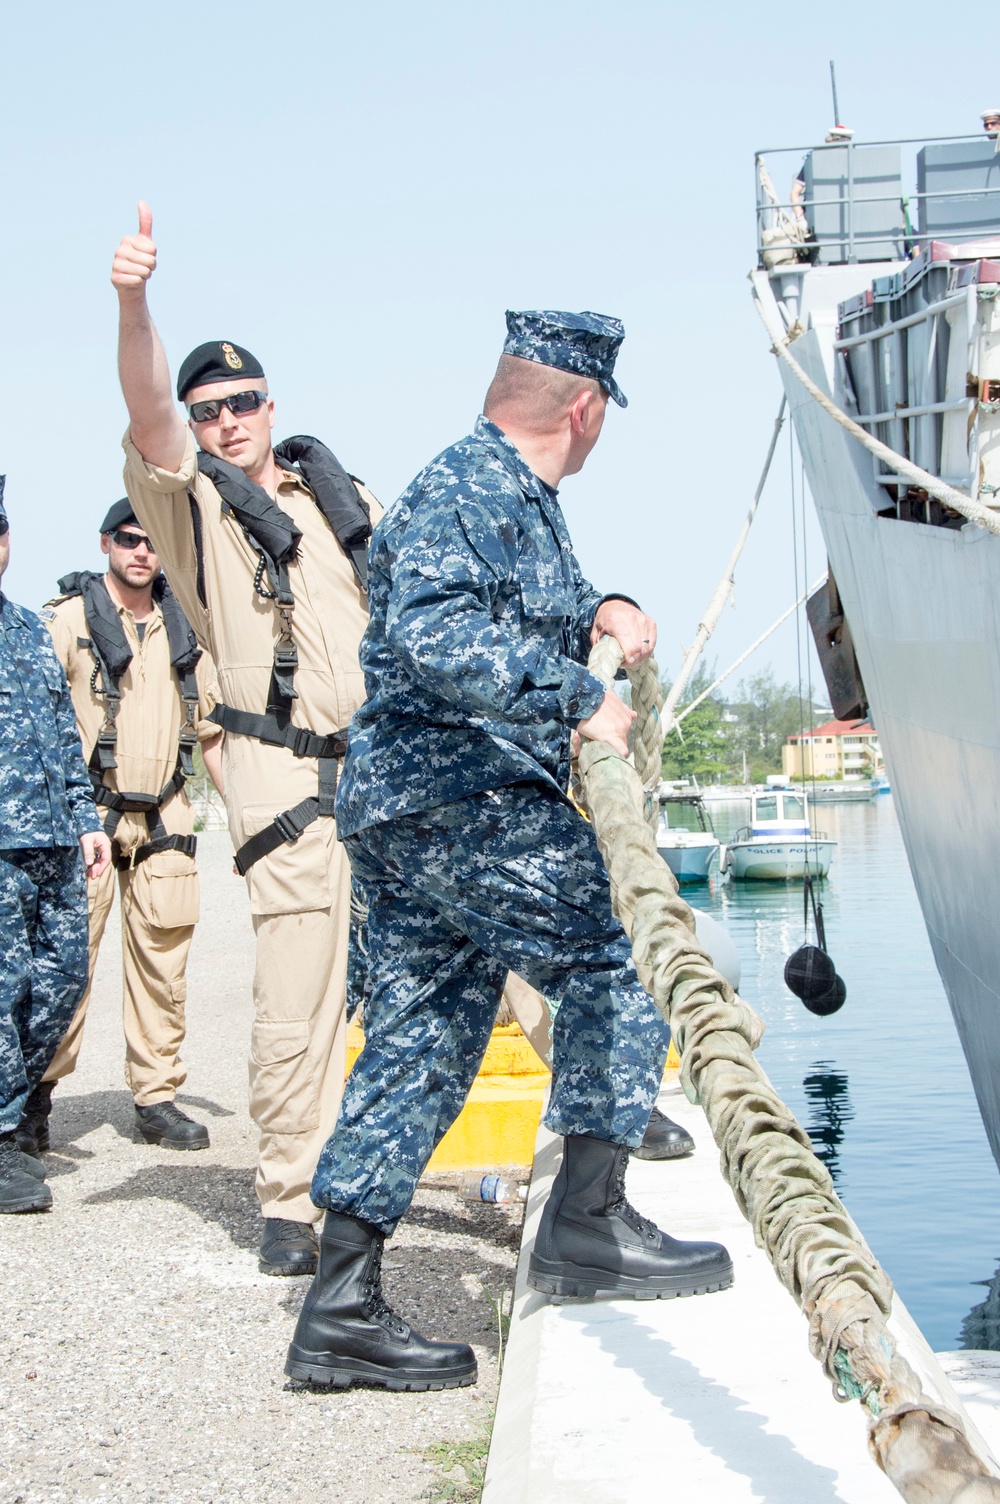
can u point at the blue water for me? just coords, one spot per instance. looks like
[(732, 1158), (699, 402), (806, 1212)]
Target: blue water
[(882, 1085)]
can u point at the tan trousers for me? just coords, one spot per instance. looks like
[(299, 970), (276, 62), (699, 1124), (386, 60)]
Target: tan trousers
[(297, 1046), (532, 1014), (159, 911)]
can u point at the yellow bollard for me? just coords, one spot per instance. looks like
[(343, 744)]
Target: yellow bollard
[(497, 1126)]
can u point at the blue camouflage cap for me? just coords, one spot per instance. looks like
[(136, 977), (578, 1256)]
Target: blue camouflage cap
[(585, 344), (3, 482)]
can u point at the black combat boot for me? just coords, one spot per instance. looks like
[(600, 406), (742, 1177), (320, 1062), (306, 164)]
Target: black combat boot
[(287, 1247), (663, 1139), (591, 1243), (33, 1130), (347, 1334), (21, 1188), (165, 1124)]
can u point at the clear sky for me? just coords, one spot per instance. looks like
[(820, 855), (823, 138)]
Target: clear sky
[(357, 193)]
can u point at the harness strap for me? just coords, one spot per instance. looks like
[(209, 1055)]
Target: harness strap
[(327, 786), (122, 802), (302, 742), (112, 655), (288, 826), (119, 803), (187, 738), (186, 844), (277, 732)]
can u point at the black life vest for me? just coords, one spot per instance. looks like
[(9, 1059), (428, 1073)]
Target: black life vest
[(112, 655), (274, 536)]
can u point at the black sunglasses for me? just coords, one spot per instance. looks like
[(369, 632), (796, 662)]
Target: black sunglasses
[(126, 539), (4, 527), (239, 403)]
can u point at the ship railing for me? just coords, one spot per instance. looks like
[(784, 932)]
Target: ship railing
[(912, 427), (855, 203)]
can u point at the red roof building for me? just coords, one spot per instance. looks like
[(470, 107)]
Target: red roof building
[(847, 750)]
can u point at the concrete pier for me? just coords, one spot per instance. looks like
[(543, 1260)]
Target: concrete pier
[(714, 1398)]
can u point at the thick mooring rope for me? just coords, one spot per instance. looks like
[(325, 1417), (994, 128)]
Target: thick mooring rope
[(783, 1190), (966, 506)]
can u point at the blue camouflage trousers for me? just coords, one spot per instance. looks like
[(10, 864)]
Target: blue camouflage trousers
[(507, 879), (43, 965)]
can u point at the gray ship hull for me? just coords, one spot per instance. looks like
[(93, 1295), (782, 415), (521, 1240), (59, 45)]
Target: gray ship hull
[(923, 606)]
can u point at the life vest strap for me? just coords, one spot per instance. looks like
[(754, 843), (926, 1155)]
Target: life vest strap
[(186, 844), (277, 732), (288, 826)]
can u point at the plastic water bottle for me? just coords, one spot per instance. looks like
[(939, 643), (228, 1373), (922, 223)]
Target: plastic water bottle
[(495, 1188)]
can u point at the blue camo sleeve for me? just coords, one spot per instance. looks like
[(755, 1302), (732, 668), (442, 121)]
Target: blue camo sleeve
[(79, 795), (587, 601), (452, 620)]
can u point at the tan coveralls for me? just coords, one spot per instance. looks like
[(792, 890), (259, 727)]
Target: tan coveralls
[(160, 896), (300, 893)]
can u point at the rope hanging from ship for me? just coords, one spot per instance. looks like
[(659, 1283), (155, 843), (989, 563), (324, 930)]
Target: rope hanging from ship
[(781, 1187), (809, 971)]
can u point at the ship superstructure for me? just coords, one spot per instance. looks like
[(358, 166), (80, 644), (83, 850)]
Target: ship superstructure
[(882, 267)]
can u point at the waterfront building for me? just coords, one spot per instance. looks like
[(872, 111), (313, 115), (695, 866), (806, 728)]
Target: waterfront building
[(847, 750)]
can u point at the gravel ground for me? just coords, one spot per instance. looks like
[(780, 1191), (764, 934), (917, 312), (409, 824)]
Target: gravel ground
[(142, 1351)]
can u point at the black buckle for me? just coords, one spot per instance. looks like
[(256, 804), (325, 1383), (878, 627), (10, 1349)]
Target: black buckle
[(301, 741), (135, 804), (290, 829)]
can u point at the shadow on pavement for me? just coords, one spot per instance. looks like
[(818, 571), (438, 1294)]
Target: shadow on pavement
[(72, 1117), (500, 1225), (216, 1193)]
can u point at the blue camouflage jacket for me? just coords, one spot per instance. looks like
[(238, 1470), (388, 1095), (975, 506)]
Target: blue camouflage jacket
[(45, 795), (479, 631)]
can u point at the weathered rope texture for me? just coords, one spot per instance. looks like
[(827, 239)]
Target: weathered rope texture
[(783, 1190)]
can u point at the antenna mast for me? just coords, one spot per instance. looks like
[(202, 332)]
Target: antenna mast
[(833, 86)]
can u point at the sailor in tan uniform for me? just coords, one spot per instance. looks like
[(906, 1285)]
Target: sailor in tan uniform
[(267, 556), (141, 690)]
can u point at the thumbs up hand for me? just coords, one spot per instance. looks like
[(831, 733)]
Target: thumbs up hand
[(135, 258)]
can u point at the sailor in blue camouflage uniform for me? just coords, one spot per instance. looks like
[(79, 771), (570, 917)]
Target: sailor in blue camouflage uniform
[(452, 808), (47, 819)]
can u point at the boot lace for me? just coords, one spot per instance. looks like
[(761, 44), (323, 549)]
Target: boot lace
[(619, 1203), (291, 1232), (373, 1299)]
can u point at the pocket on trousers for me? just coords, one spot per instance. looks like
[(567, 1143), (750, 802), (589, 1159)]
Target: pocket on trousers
[(174, 898), (295, 877), (283, 1099)]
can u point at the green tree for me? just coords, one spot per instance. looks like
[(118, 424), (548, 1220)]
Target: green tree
[(697, 749), (761, 715)]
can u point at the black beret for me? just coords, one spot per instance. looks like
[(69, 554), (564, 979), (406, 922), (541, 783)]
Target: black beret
[(118, 515), (219, 360)]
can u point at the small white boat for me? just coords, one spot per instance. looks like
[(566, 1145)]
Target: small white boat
[(725, 793), (778, 844), (685, 838), (861, 792)]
